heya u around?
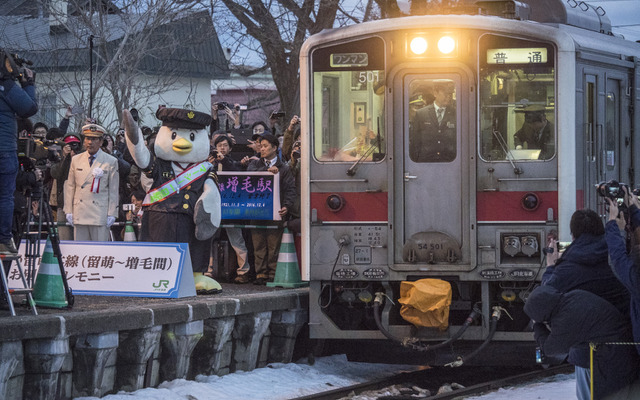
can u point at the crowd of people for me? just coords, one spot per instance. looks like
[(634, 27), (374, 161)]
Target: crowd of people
[(94, 186)]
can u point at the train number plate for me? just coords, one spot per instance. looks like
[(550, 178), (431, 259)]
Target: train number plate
[(362, 255), (492, 274), (346, 273)]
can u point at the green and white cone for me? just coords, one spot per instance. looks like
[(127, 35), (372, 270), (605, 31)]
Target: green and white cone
[(48, 291), (129, 233), (287, 271)]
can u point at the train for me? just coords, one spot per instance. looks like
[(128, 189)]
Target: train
[(389, 201)]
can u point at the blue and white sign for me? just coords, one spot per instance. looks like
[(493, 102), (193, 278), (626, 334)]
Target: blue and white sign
[(249, 195), (137, 269)]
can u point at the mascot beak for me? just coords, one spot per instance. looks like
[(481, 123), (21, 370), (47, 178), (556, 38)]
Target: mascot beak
[(182, 146)]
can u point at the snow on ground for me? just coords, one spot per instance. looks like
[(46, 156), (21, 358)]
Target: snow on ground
[(285, 381)]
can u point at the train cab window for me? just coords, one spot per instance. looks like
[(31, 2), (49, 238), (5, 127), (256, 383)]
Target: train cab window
[(432, 120), (517, 100), (348, 102)]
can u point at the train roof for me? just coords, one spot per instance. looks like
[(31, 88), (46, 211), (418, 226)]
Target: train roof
[(624, 16)]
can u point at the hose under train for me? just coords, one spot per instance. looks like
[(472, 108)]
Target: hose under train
[(412, 342)]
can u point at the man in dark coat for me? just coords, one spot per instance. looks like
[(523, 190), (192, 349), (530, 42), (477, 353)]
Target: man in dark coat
[(537, 132), (584, 264), (575, 319), (433, 133), (624, 267), (266, 242)]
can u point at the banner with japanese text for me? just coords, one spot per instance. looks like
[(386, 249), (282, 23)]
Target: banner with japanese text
[(249, 195), (137, 269)]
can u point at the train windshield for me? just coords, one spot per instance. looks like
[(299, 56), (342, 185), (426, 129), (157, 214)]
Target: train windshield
[(348, 98), (517, 99)]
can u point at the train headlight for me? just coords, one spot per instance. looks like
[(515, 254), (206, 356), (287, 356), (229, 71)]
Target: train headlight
[(418, 45), (335, 202), (446, 44)]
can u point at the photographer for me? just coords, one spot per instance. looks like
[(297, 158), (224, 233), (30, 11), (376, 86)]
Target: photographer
[(60, 172), (234, 115), (626, 269), (291, 134), (294, 165), (15, 100)]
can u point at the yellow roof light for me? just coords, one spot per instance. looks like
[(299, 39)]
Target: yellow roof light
[(418, 45), (446, 44)]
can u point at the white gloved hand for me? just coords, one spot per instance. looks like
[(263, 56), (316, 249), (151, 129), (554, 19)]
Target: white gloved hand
[(110, 221), (70, 219)]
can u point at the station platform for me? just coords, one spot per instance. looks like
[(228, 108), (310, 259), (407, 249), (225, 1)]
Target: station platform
[(106, 344)]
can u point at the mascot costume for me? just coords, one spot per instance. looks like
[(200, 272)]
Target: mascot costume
[(183, 204)]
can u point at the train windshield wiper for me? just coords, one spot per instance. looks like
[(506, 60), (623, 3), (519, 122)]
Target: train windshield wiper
[(508, 154), (352, 170)]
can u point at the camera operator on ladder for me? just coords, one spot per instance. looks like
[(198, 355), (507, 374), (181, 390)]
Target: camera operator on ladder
[(15, 100)]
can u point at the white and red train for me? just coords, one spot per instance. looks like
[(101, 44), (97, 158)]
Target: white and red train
[(382, 203)]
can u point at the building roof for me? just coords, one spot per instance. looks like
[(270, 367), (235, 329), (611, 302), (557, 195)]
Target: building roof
[(193, 47)]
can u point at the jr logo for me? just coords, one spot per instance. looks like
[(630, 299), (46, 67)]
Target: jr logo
[(161, 283)]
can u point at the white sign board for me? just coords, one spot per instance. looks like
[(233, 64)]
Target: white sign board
[(138, 269)]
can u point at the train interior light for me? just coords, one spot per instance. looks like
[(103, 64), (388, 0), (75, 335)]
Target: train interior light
[(418, 45), (446, 44)]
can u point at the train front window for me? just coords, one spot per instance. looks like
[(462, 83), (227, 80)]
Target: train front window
[(517, 99), (348, 98)]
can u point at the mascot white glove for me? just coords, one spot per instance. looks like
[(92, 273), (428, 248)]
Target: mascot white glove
[(70, 219), (110, 221)]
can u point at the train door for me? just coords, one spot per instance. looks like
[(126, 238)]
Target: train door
[(434, 184), (603, 139)]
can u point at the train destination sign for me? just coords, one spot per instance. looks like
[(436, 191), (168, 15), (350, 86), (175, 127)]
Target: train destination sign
[(349, 60), (527, 55)]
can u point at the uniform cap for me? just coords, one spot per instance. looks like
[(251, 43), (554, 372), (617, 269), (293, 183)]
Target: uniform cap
[(183, 119), (93, 130)]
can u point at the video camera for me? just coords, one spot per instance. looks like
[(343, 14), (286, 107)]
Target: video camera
[(13, 66), (39, 152)]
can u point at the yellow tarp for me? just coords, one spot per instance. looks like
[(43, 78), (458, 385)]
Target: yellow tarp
[(425, 303)]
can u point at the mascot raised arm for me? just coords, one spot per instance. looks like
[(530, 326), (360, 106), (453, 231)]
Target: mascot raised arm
[(183, 204)]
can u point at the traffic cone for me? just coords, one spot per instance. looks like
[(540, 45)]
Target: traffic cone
[(287, 271), (129, 233), (48, 291)]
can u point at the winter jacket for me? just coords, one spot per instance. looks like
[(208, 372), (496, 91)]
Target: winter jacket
[(14, 100), (576, 319), (625, 269), (585, 265)]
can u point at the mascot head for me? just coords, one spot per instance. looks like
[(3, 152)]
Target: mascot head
[(182, 137)]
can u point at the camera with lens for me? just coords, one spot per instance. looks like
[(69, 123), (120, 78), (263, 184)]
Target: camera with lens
[(612, 190), (75, 146), (296, 150), (13, 66), (277, 114), (222, 105)]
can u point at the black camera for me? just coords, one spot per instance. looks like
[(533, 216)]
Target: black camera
[(13, 65), (612, 190), (75, 146), (222, 105), (276, 114)]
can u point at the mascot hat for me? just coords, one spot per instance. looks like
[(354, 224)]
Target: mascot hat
[(179, 118)]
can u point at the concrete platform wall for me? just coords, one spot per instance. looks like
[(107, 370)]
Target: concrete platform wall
[(101, 352)]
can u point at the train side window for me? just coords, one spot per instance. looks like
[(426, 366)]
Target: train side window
[(348, 115), (517, 100), (612, 124)]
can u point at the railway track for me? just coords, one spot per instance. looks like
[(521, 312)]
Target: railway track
[(475, 380)]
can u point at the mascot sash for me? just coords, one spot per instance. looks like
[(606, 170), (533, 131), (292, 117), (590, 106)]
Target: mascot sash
[(173, 186)]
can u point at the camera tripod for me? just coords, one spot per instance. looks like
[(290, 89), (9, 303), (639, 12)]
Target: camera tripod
[(32, 240)]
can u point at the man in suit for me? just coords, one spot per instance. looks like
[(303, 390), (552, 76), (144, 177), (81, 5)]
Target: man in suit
[(91, 190), (536, 132), (432, 137)]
